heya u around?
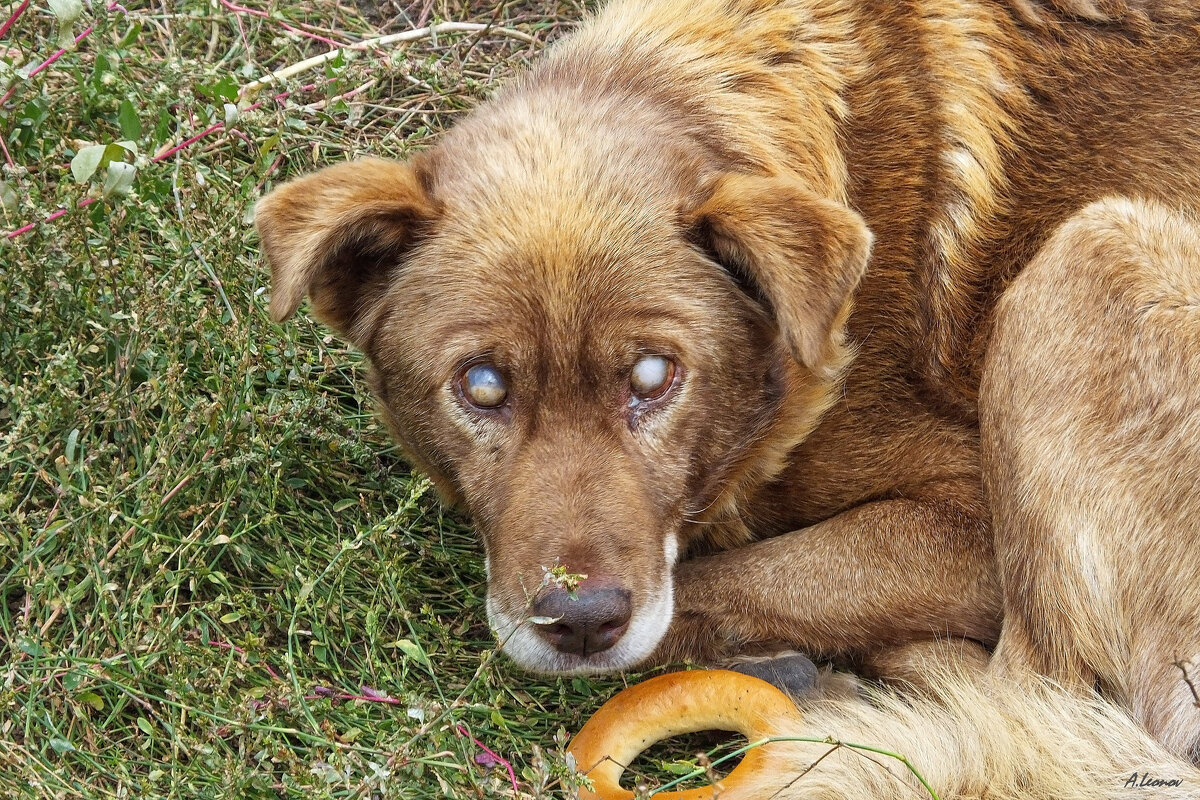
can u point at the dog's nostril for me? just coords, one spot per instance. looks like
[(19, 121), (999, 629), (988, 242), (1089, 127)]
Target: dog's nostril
[(589, 620)]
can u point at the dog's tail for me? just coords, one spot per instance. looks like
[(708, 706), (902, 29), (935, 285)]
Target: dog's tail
[(973, 736), (959, 737)]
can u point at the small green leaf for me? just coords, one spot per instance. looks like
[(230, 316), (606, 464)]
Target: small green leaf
[(413, 651), (66, 12), (86, 162), (127, 118), (270, 144), (224, 89), (145, 726), (342, 505), (92, 699), (335, 64), (72, 443), (678, 767), (8, 197), (162, 128), (100, 72), (131, 35), (30, 648), (306, 589), (232, 616), (61, 745), (119, 179)]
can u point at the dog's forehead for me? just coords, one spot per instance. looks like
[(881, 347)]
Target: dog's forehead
[(561, 254), (559, 286), (557, 230), (562, 275)]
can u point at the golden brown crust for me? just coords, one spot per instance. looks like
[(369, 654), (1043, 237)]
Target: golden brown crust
[(674, 704)]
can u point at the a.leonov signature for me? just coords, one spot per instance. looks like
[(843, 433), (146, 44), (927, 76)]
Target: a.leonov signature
[(1138, 781)]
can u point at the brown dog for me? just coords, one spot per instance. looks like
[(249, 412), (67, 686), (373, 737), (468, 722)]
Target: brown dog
[(886, 315)]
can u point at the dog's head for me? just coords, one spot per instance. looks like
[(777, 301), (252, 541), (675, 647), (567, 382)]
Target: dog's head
[(591, 338)]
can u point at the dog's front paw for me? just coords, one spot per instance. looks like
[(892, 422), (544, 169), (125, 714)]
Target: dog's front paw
[(792, 673)]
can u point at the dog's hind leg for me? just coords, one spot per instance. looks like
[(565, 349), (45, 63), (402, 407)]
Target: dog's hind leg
[(1090, 422)]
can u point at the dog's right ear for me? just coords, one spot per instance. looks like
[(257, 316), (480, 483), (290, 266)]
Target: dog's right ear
[(337, 234)]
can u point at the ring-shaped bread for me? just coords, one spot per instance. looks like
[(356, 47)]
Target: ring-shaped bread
[(675, 704)]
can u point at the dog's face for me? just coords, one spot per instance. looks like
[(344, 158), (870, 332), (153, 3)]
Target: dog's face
[(589, 358)]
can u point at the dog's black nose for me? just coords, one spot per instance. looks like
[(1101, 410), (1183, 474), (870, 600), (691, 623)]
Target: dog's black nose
[(586, 621)]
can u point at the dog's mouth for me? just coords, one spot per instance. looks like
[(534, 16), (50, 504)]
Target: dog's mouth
[(594, 627)]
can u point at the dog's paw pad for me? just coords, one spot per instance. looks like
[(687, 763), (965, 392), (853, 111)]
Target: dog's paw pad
[(794, 674)]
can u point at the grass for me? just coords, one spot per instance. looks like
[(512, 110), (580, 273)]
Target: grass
[(208, 546)]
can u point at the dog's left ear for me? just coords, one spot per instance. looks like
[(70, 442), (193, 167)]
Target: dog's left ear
[(800, 255), (337, 234)]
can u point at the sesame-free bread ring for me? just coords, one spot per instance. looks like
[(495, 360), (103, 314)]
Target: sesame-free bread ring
[(675, 704)]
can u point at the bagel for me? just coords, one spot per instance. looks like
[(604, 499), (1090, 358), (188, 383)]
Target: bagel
[(672, 705)]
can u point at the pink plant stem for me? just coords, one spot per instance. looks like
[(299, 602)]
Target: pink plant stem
[(186, 142), (255, 12), (242, 32), (211, 129), (393, 701), (270, 171), (259, 13), (240, 651), (52, 58), (87, 201), (8, 23), (7, 158), (61, 52), (512, 776)]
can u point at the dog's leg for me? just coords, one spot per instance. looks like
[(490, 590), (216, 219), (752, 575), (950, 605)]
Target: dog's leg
[(884, 573), (911, 664), (1090, 422)]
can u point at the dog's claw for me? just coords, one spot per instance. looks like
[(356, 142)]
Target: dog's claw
[(792, 673)]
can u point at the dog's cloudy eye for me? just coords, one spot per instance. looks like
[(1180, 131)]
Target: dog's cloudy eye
[(483, 386), (652, 376)]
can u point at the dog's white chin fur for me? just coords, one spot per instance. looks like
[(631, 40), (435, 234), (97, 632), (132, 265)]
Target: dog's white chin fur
[(520, 641)]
